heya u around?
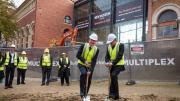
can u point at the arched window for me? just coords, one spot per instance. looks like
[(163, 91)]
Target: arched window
[(167, 25), (67, 19)]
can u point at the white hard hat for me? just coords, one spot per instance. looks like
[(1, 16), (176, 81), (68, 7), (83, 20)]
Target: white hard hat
[(93, 36), (63, 53), (13, 46), (23, 52), (46, 50), (111, 37)]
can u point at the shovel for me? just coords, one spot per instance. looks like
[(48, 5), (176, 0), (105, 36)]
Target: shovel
[(109, 84), (86, 97)]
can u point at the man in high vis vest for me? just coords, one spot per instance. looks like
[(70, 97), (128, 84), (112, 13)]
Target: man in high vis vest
[(87, 56), (21, 68), (2, 59), (11, 61), (46, 64), (115, 63), (64, 69)]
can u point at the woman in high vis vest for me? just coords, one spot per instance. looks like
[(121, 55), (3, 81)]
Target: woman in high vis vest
[(21, 68), (87, 56), (64, 69), (2, 59), (11, 61), (115, 63), (46, 64)]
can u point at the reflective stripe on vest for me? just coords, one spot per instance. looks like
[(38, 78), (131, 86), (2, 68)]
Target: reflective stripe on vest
[(23, 62), (67, 61), (88, 55), (1, 67), (46, 61), (113, 54), (8, 59)]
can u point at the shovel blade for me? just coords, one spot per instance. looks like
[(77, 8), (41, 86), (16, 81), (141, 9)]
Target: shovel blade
[(87, 98)]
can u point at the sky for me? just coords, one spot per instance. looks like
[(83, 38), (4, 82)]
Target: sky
[(18, 2)]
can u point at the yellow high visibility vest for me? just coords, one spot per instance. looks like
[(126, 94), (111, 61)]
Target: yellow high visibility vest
[(23, 62), (8, 59), (113, 54), (88, 55), (46, 60), (1, 67), (67, 61)]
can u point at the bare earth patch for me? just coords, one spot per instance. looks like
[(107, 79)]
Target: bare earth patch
[(142, 91)]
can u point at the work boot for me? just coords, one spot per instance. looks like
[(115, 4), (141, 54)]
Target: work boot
[(47, 83), (68, 84), (6, 87), (10, 86), (23, 83), (42, 84)]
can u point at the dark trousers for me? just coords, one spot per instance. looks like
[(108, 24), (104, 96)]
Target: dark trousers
[(1, 76), (46, 73), (114, 87), (83, 79), (65, 75), (21, 73), (9, 73)]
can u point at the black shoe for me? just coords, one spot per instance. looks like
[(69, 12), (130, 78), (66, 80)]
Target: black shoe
[(47, 84), (10, 86), (42, 84), (68, 84), (23, 83), (18, 83), (115, 97), (6, 87), (62, 84)]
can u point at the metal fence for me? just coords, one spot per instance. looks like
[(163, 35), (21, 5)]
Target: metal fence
[(159, 61)]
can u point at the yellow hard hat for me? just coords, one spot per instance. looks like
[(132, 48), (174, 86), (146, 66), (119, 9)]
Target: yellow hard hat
[(46, 50), (23, 52)]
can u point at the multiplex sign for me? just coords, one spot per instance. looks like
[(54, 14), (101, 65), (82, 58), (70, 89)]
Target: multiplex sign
[(151, 62)]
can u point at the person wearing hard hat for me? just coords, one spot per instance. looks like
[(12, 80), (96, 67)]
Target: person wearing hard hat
[(115, 63), (87, 56), (2, 59), (11, 62), (64, 69), (46, 64), (21, 68)]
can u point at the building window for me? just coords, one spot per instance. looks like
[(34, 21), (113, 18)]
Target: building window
[(102, 33), (82, 11), (101, 5), (129, 31), (123, 2), (67, 19), (167, 25)]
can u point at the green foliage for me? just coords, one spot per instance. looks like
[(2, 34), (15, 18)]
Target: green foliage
[(7, 22)]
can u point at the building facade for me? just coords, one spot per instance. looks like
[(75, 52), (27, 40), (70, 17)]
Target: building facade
[(130, 20), (122, 17), (164, 19), (41, 21)]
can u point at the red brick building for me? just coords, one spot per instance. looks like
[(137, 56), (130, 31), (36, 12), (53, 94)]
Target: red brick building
[(40, 21), (163, 19)]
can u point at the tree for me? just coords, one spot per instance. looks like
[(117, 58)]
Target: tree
[(7, 22)]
